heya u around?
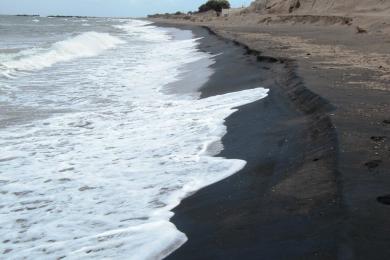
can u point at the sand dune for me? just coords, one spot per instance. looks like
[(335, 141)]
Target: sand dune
[(321, 6)]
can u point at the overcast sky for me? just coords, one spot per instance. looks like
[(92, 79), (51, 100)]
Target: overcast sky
[(133, 8)]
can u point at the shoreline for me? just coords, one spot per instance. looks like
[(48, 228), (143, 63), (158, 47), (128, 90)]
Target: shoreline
[(318, 196), (276, 124)]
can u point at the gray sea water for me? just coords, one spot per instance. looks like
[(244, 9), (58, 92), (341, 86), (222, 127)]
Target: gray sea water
[(95, 152)]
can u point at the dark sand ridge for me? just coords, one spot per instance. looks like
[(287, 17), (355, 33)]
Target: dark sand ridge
[(309, 190)]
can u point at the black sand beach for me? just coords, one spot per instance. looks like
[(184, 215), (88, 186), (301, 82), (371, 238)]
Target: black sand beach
[(294, 199), (287, 195)]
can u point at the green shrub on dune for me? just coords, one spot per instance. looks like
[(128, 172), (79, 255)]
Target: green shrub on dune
[(216, 5)]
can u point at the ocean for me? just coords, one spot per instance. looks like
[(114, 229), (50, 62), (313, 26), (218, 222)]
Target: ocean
[(99, 140)]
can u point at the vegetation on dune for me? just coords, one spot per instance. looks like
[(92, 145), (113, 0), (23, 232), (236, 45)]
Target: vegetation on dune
[(210, 5), (216, 5)]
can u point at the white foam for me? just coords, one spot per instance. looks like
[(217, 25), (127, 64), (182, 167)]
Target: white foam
[(142, 30), (84, 45), (101, 181)]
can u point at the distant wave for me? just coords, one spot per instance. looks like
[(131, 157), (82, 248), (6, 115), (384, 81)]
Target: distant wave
[(84, 45)]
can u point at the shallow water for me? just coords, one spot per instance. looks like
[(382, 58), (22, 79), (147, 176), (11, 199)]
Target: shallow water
[(95, 153)]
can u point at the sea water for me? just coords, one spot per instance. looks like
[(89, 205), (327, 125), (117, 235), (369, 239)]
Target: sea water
[(94, 152)]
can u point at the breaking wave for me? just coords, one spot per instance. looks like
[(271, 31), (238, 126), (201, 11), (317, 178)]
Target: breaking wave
[(84, 45)]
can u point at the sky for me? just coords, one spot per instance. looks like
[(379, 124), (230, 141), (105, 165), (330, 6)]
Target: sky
[(127, 8)]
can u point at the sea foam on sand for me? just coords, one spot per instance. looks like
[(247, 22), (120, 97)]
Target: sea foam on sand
[(101, 180)]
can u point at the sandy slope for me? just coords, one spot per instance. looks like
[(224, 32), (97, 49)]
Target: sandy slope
[(321, 6)]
